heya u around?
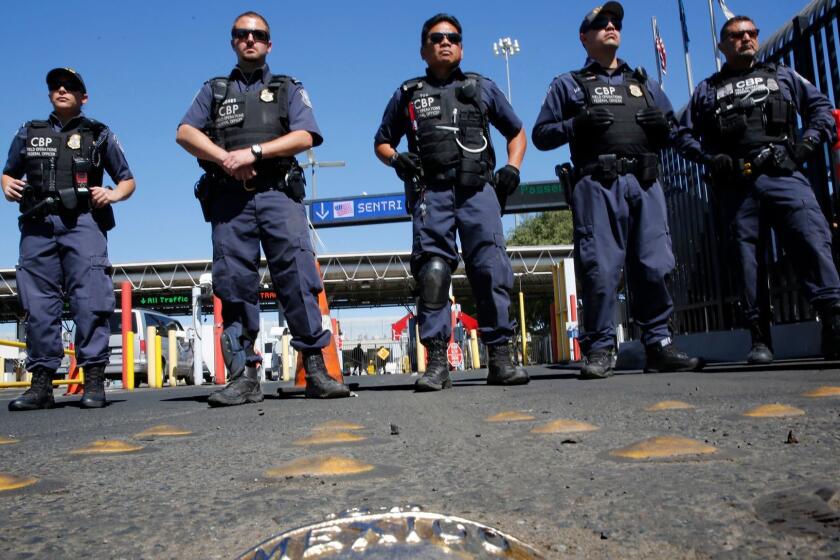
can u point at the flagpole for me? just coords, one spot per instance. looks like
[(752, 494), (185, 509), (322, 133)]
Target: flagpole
[(656, 52), (714, 35), (685, 48)]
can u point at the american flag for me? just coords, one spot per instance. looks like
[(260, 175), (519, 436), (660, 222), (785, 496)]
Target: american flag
[(343, 209), (659, 45)]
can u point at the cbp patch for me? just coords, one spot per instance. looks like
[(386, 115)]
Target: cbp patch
[(305, 98), (74, 142), (267, 95), (230, 113), (427, 106)]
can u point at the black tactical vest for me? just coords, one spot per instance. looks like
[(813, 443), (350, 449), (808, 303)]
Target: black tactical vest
[(450, 130), (624, 137), (750, 113), (240, 120)]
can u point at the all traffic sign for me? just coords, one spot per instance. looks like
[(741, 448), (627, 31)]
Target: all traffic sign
[(455, 355)]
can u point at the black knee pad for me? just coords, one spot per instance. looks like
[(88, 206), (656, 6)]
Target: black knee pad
[(434, 278)]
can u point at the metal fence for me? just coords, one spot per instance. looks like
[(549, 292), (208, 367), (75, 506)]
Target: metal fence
[(703, 288)]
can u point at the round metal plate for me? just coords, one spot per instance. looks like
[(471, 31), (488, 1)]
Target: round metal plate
[(394, 535)]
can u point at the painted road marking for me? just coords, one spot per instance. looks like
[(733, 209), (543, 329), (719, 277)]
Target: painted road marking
[(163, 430), (107, 446), (339, 425), (12, 482), (326, 438), (775, 410), (824, 391), (669, 405), (564, 427), (510, 416), (335, 465), (664, 447), (8, 440)]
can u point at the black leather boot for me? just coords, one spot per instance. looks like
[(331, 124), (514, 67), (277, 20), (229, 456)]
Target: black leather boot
[(319, 384), (39, 395), (94, 396), (830, 320), (501, 368), (437, 370), (598, 364), (242, 389), (664, 356), (761, 352)]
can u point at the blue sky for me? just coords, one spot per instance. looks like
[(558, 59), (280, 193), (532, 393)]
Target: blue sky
[(144, 61)]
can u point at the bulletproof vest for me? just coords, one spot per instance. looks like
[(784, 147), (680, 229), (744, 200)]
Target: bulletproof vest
[(240, 120), (450, 130), (64, 164), (624, 137), (750, 113)]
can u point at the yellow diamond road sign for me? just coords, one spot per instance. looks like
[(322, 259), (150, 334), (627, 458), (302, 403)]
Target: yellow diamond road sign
[(383, 353)]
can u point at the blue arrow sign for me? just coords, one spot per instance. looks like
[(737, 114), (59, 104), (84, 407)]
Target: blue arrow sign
[(368, 209)]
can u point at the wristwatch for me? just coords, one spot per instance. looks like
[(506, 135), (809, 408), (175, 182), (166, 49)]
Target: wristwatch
[(256, 149)]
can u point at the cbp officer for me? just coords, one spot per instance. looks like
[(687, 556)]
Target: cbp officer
[(245, 129), (450, 186), (65, 216), (742, 124), (615, 121)]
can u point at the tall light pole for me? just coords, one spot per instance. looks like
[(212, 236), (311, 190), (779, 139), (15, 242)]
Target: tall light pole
[(507, 47), (313, 163)]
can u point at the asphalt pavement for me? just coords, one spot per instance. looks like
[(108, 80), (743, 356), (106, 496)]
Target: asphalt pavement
[(749, 487)]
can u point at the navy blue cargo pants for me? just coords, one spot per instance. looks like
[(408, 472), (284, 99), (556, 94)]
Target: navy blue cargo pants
[(243, 220), (65, 255), (791, 208), (476, 216), (622, 224)]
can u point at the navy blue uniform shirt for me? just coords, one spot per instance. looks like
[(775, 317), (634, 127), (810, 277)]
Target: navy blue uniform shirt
[(812, 105), (396, 124), (301, 116), (113, 158), (565, 99)]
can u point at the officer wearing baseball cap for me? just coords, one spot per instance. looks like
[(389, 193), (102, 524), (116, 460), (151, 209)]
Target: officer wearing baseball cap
[(615, 120), (65, 216)]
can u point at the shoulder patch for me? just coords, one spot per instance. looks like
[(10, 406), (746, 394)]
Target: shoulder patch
[(305, 98)]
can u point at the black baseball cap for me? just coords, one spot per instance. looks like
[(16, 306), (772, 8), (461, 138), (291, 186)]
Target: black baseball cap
[(57, 74), (612, 7)]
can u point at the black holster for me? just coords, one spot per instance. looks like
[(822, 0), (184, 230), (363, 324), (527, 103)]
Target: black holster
[(203, 191), (567, 183)]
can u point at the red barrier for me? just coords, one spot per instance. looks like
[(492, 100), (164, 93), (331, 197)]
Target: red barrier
[(835, 149), (218, 327), (73, 373), (125, 307)]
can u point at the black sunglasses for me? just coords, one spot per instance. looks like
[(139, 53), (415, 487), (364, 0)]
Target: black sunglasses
[(69, 85), (242, 34), (437, 37), (751, 33), (602, 22)]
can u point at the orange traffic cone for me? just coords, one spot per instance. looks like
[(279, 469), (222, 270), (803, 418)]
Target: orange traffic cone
[(73, 373), (330, 351)]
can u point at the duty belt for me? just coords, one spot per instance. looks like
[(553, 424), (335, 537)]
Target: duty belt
[(774, 157), (609, 166)]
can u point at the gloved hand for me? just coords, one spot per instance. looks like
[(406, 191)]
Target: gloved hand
[(593, 120), (406, 164), (653, 120), (802, 150), (507, 179), (718, 164)]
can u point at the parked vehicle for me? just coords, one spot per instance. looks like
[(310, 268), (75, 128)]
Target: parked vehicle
[(140, 321)]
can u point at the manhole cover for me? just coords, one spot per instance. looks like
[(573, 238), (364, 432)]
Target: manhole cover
[(806, 513), (395, 534)]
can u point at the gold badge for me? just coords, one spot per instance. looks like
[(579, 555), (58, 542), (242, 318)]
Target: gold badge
[(74, 142), (267, 95), (636, 91)]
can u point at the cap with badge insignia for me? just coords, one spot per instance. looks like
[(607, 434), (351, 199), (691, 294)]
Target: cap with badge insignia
[(58, 75)]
